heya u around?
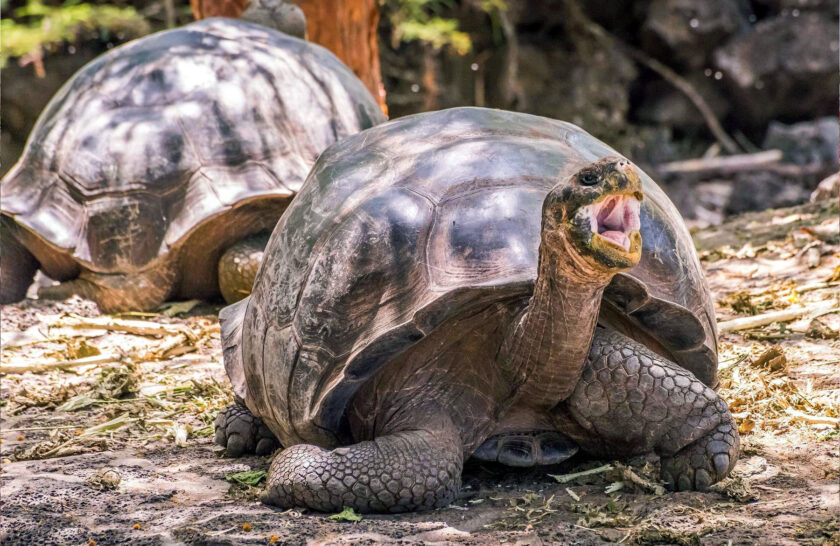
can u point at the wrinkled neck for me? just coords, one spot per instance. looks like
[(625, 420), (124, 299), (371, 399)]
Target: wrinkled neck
[(547, 346)]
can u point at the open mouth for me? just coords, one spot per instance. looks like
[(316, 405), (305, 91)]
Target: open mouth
[(615, 218)]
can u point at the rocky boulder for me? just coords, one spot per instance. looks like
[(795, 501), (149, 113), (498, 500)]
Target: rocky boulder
[(786, 68), (689, 29), (812, 143)]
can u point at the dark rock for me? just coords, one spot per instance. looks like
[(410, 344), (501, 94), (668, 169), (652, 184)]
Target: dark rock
[(831, 7), (649, 146), (762, 190), (785, 69), (701, 204), (807, 143), (663, 104), (623, 18), (690, 29), (593, 91)]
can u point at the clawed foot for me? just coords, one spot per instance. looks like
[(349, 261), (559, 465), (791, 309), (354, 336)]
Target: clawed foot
[(704, 462), (527, 449), (240, 432)]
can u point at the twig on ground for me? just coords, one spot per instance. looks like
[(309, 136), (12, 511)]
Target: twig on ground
[(38, 367), (33, 429), (137, 327), (785, 315), (809, 287), (628, 475), (174, 346), (812, 419), (566, 478)]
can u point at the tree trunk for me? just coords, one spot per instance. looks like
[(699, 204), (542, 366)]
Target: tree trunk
[(203, 9), (345, 27), (348, 29)]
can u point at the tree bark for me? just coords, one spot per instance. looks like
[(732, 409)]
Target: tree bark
[(348, 29), (345, 27), (203, 9)]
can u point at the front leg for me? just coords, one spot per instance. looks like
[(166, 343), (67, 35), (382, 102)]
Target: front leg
[(417, 468), (241, 432), (631, 401)]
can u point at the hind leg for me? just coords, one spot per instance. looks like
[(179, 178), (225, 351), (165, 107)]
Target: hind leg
[(631, 401), (241, 432), (238, 267), (116, 293), (17, 269)]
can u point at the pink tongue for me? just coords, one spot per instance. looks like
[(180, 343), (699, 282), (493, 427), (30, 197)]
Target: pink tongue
[(617, 237)]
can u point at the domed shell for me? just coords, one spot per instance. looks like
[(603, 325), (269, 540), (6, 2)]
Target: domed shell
[(160, 136), (417, 221)]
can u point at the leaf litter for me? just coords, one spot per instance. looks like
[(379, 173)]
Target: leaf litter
[(126, 400)]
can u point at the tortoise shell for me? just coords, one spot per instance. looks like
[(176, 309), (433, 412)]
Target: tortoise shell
[(404, 226), (152, 146)]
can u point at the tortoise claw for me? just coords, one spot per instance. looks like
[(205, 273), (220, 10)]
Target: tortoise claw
[(700, 464)]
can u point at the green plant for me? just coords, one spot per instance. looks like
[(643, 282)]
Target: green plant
[(36, 27), (423, 21), (348, 514)]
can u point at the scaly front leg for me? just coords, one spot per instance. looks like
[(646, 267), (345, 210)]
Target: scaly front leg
[(631, 401)]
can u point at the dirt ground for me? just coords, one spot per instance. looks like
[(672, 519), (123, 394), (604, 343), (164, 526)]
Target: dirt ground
[(118, 448)]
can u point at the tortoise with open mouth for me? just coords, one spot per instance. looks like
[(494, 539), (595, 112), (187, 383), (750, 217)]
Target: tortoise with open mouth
[(161, 167), (472, 282)]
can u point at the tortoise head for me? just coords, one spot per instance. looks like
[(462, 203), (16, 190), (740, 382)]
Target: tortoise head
[(278, 14), (595, 214)]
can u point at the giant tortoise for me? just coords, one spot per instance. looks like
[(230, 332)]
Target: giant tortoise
[(472, 282), (154, 170)]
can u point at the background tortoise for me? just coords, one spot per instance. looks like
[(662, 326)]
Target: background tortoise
[(432, 294), (162, 154)]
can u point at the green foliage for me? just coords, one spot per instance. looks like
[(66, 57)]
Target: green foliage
[(249, 477), (436, 32), (36, 26), (423, 21), (348, 514)]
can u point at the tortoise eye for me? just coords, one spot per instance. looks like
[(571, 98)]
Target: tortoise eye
[(588, 179)]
